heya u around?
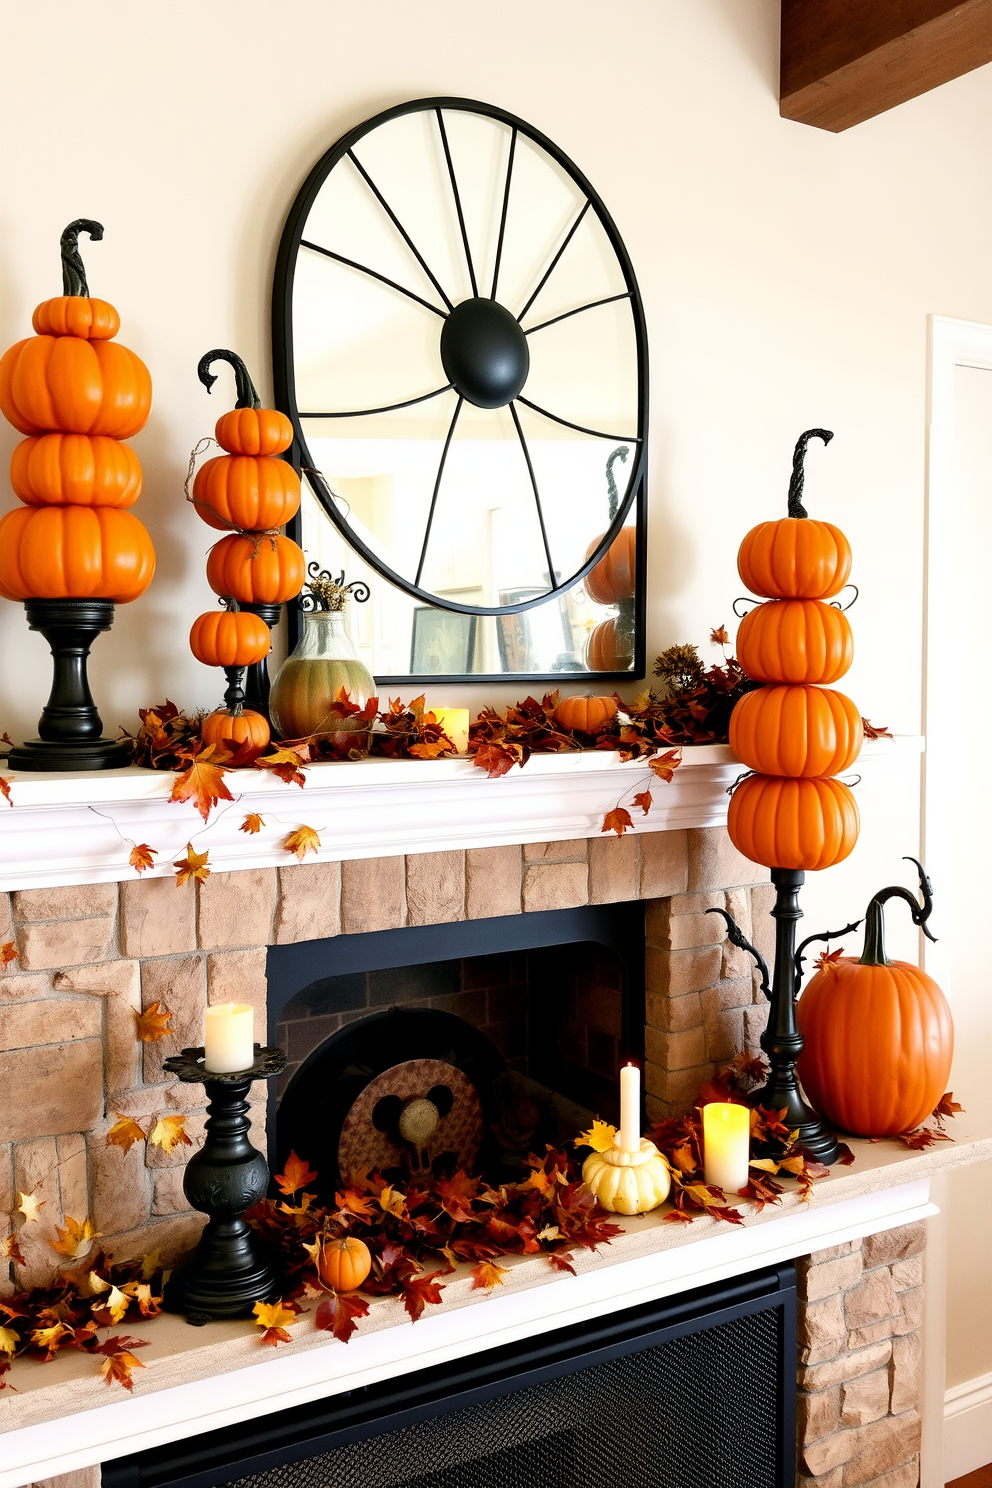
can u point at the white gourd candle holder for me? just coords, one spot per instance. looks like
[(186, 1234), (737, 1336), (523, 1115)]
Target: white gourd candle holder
[(628, 1182)]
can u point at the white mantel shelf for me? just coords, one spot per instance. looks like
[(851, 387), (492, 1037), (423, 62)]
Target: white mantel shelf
[(70, 829), (63, 1417)]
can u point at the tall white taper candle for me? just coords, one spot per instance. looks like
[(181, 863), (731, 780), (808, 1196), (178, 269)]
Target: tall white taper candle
[(629, 1137)]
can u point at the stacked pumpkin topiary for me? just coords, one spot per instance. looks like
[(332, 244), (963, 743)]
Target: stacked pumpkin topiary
[(613, 581), (795, 732), (249, 492)]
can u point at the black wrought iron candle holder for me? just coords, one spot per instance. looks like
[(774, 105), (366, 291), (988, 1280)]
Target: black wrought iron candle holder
[(70, 728), (225, 1275), (258, 681)]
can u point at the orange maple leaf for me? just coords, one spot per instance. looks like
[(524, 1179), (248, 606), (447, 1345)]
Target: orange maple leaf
[(643, 799), (5, 785), (202, 782), (124, 1133), (302, 841), (618, 820), (287, 762), (252, 823), (487, 1274), (719, 636), (431, 751), (153, 1024), (76, 1239), (273, 1316), (8, 953), (353, 1202), (169, 1132), (140, 857), (193, 865), (120, 1361), (665, 765), (294, 1176), (828, 958)]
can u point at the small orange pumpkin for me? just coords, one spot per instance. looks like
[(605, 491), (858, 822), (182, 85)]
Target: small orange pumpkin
[(78, 552), (879, 1035), (249, 429), (796, 557), (76, 315), (243, 733), (795, 640), (246, 492), (256, 570), (613, 577), (344, 1263), (75, 470), (229, 638), (784, 822), (796, 731), (586, 715), (609, 647)]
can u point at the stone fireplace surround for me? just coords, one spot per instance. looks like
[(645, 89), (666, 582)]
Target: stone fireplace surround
[(91, 955)]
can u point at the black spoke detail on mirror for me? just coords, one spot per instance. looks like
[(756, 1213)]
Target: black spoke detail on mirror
[(373, 273), (554, 262), (537, 497), (458, 203), (386, 408), (592, 305), (398, 226), (506, 205), (437, 487), (580, 428)]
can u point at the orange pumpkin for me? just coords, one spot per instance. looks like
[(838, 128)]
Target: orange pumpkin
[(229, 638), (249, 429), (81, 387), (586, 715), (796, 731), (243, 734), (246, 492), (879, 1038), (609, 647), (784, 822), (79, 552), (796, 558), (75, 469), (613, 577), (76, 315), (795, 640), (344, 1263), (256, 570)]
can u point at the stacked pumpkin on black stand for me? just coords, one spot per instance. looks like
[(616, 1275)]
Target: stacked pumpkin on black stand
[(249, 492), (613, 581), (73, 551)]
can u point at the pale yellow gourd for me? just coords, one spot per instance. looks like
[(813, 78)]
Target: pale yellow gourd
[(627, 1182)]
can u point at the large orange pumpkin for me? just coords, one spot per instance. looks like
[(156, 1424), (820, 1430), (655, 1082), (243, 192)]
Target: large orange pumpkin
[(879, 1038), (796, 557), (795, 640), (586, 715), (78, 552), (75, 469), (609, 647), (613, 577), (256, 569), (246, 492), (796, 731), (344, 1263), (229, 638), (249, 429), (241, 732), (784, 822)]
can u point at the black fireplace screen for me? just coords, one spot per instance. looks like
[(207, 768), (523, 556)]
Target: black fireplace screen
[(693, 1392)]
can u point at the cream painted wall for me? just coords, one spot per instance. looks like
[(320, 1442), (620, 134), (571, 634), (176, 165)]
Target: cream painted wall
[(787, 275)]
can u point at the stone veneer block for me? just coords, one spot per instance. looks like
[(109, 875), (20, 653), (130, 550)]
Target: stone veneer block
[(157, 917), (715, 863), (59, 1092), (844, 1366), (236, 909), (168, 1196), (762, 925), (673, 1014), (309, 902), (818, 1414), (678, 972), (172, 1238), (23, 988), (26, 1025), (492, 882), (72, 902), (895, 1245), (664, 864), (119, 984), (120, 1185), (73, 1174), (614, 869), (373, 895), (177, 983), (907, 1354), (865, 1399), (36, 1172), (572, 851), (555, 886), (49, 943), (435, 888), (675, 1051), (239, 976), (882, 1446)]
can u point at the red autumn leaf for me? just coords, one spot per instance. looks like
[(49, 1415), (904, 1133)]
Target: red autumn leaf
[(665, 765), (339, 1313), (561, 1260), (618, 820), (8, 953), (946, 1106), (828, 958), (140, 857), (643, 799), (719, 636), (287, 762), (252, 823), (417, 1291), (202, 783), (846, 1157), (5, 785), (496, 759), (677, 1216), (153, 1023), (923, 1136), (294, 1176), (873, 731), (120, 1361), (456, 1194)]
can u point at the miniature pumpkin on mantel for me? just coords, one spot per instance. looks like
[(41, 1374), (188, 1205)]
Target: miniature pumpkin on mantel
[(628, 1182), (586, 715)]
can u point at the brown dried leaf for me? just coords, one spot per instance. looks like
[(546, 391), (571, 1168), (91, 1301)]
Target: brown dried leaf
[(618, 820), (665, 765), (719, 636), (873, 731), (643, 799), (339, 1313)]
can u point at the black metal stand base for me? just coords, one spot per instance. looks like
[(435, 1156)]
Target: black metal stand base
[(206, 1289), (258, 682), (44, 754)]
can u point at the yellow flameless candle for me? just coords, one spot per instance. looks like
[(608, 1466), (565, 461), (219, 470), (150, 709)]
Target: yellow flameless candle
[(229, 1038), (629, 1135), (726, 1145), (454, 721)]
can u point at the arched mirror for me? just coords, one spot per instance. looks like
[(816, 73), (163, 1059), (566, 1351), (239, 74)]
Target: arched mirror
[(459, 341)]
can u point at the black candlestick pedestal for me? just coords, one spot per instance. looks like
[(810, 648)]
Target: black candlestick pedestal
[(70, 726), (225, 1275), (258, 682)]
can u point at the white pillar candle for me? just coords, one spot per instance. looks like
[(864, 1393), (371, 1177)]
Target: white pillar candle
[(454, 721), (629, 1136), (726, 1145), (229, 1038)]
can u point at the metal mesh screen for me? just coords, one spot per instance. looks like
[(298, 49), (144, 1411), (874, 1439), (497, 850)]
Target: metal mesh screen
[(696, 1412)]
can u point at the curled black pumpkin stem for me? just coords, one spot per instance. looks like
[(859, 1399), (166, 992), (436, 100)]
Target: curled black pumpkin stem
[(73, 269), (799, 960), (247, 396), (874, 948), (620, 453), (796, 508), (737, 937)]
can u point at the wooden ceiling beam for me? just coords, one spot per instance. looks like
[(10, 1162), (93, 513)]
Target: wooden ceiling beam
[(844, 61)]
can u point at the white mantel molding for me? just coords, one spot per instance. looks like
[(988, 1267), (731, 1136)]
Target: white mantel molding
[(73, 829)]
